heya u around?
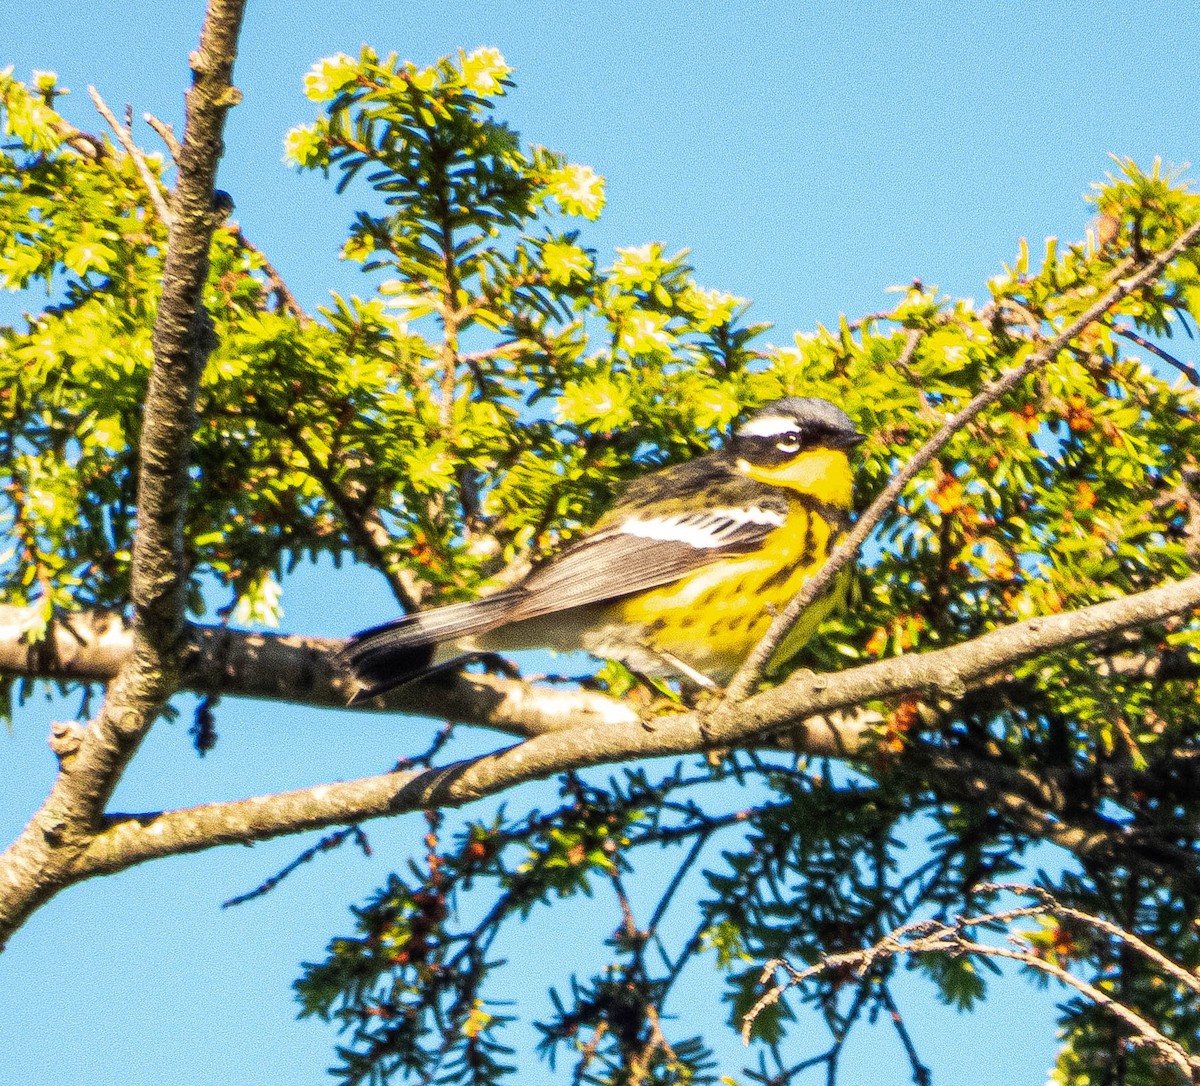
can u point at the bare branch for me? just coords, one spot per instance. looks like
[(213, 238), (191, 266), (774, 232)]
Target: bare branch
[(276, 281), (938, 937), (922, 1076), (754, 664), (807, 710), (912, 340), (363, 523), (166, 133), (1051, 904), (125, 136), (327, 843), (92, 646), (1186, 368), (154, 188)]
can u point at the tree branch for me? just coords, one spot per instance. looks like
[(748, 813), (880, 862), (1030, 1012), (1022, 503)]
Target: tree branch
[(363, 524), (91, 646), (132, 839), (42, 859), (1186, 368), (953, 670), (95, 148), (938, 937), (125, 136), (275, 281), (165, 133), (1176, 971), (1041, 807)]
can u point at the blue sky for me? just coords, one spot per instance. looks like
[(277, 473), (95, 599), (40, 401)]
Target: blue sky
[(810, 156)]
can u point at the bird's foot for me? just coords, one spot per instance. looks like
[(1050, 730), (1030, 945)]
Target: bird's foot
[(493, 663)]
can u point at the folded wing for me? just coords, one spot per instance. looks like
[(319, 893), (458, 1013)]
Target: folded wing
[(637, 553), (643, 552)]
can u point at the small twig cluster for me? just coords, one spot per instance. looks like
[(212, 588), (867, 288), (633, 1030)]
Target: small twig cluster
[(957, 937)]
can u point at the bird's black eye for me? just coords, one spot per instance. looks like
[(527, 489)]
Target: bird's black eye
[(789, 442)]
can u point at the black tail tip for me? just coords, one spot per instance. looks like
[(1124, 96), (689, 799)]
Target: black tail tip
[(374, 672)]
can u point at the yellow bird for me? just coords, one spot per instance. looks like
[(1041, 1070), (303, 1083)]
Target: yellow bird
[(679, 578)]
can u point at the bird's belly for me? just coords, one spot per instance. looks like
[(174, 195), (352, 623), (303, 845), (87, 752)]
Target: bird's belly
[(712, 622), (712, 619), (559, 631)]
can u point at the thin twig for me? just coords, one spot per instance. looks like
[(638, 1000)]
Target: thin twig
[(912, 339), (1186, 368), (870, 318), (628, 929), (937, 937), (1185, 976), (326, 844), (125, 136), (363, 524), (91, 147), (1029, 319), (275, 280), (166, 133), (501, 350), (426, 757), (676, 879), (1144, 1032), (754, 664), (922, 1076)]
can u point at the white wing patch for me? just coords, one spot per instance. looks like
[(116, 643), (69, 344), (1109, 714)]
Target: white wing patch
[(706, 530)]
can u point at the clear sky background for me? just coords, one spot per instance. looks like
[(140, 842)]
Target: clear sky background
[(811, 155)]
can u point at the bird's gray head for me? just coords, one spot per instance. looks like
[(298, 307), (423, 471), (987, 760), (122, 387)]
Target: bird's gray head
[(795, 424)]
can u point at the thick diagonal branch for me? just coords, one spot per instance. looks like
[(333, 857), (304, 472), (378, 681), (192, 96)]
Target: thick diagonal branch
[(43, 858), (91, 646)]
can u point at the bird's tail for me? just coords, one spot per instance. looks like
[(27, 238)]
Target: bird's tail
[(400, 651)]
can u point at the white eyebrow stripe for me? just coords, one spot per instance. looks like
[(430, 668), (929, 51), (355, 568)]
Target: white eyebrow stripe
[(770, 426), (712, 528)]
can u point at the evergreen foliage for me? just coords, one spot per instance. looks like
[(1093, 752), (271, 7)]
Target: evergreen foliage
[(485, 398)]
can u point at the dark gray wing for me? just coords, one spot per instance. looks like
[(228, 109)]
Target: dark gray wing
[(387, 656), (641, 551)]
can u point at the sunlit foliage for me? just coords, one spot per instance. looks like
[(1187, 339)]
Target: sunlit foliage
[(494, 385)]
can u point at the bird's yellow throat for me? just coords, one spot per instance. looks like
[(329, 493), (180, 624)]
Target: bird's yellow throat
[(823, 474)]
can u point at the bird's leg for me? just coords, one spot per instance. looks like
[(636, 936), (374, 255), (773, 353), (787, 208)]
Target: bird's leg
[(687, 671), (651, 697)]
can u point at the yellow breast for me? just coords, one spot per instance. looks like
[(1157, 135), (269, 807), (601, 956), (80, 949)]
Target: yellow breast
[(713, 618)]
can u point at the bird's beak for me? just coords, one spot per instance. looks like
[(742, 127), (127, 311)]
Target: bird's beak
[(851, 440)]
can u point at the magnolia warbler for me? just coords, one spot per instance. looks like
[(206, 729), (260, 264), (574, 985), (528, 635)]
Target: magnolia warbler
[(680, 577)]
